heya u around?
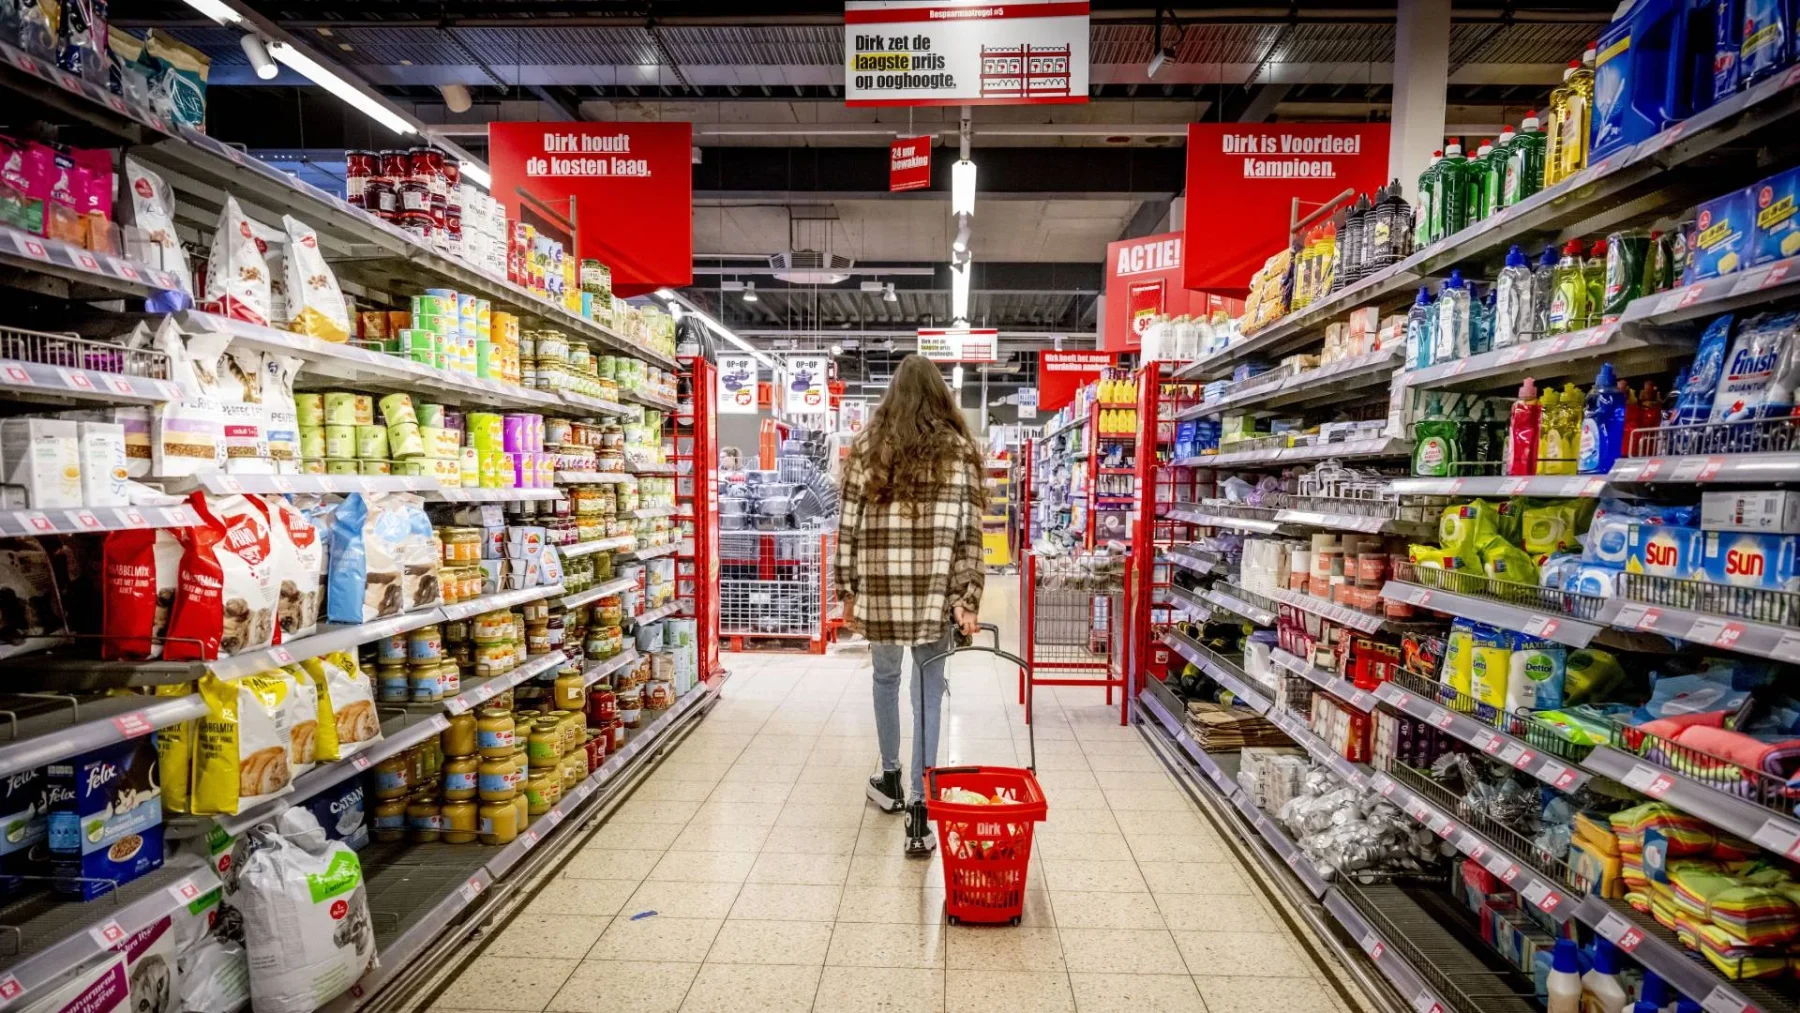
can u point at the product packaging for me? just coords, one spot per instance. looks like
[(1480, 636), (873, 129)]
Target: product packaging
[(347, 719), (150, 206), (187, 435), (41, 457), (298, 549), (369, 536), (105, 825), (1722, 236), (244, 754), (1762, 370), (103, 468), (227, 590), (306, 916), (237, 276), (315, 302), (24, 812), (1777, 235), (1775, 511), (1747, 559), (140, 570), (1663, 551)]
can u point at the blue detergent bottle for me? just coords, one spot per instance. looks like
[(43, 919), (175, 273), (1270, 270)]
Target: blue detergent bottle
[(1602, 424), (1641, 75)]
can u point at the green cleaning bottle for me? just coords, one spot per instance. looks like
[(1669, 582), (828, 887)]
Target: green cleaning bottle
[(1494, 175), (1568, 291), (1435, 450), (1594, 270), (1524, 163), (1425, 225), (1476, 177), (1452, 190)]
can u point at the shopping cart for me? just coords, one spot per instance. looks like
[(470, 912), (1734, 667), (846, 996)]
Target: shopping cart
[(986, 848), (1070, 624)]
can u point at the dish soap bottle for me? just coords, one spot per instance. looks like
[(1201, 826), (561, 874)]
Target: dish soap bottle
[(1593, 269), (1435, 442), (1452, 190), (1475, 180), (1568, 291), (1577, 124), (1418, 331), (1543, 275), (1524, 163), (1512, 301), (1494, 178), (1602, 424), (1558, 111), (1425, 221), (1548, 442), (1522, 431), (1452, 341), (1565, 979), (1601, 990)]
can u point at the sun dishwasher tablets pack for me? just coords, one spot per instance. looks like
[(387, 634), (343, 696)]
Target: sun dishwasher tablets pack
[(1760, 373), (1609, 534), (1721, 236), (1777, 234), (1659, 550), (1751, 559)]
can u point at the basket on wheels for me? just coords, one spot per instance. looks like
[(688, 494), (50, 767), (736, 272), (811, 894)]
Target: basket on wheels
[(986, 848)]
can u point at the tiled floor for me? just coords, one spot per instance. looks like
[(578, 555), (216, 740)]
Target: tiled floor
[(749, 874)]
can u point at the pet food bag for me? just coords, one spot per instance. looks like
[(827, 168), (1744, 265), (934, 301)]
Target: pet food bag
[(347, 718), (368, 541), (31, 612), (226, 593), (187, 435), (150, 205), (306, 918), (151, 968), (139, 569), (246, 415), (243, 756), (302, 703), (419, 557), (315, 303), (237, 276), (103, 988), (281, 418), (175, 754), (299, 551), (215, 977)]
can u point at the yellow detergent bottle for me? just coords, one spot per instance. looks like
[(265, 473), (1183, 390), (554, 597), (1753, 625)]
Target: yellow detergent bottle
[(1580, 117), (1553, 132), (1549, 444)]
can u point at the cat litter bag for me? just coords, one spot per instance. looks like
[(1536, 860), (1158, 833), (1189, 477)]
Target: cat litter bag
[(306, 916)]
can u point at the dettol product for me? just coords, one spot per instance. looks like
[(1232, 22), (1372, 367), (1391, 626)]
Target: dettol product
[(1568, 291), (1425, 222), (1524, 163), (1512, 301), (1602, 424)]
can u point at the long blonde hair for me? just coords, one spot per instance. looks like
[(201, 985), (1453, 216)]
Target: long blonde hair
[(915, 438)]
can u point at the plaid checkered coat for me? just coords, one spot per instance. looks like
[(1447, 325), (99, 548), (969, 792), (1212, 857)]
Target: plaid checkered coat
[(908, 571)]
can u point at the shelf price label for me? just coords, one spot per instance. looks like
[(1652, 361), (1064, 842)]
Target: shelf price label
[(1723, 1000), (1485, 740), (10, 988), (1372, 945), (470, 890), (133, 725), (1425, 1003), (1648, 780), (1441, 717), (1779, 836), (185, 892), (1557, 775), (1715, 632), (1787, 648), (108, 933), (1620, 933), (1542, 626)]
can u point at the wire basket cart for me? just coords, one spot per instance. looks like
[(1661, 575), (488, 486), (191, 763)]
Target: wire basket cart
[(775, 585), (1071, 613)]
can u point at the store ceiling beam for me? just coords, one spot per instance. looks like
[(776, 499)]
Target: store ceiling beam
[(1006, 173), (566, 110), (1262, 104)]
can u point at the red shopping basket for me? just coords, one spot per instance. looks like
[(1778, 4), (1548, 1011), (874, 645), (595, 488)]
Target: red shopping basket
[(986, 848)]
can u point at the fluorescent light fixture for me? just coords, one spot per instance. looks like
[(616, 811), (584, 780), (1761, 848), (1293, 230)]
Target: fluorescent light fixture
[(956, 377), (1162, 59), (218, 10), (837, 350), (750, 291), (963, 236), (259, 58), (962, 187), (959, 293), (675, 301), (477, 174), (317, 74)]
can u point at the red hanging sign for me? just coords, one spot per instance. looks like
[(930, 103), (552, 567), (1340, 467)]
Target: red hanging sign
[(1250, 175), (1143, 282), (909, 164), (620, 193), (1061, 374)]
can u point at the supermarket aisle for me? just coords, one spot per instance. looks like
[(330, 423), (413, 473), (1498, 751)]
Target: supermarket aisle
[(749, 874)]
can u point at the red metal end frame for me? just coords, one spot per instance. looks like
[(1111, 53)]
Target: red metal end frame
[(697, 503), (1159, 485)]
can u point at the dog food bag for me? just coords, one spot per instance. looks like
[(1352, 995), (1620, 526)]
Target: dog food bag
[(243, 757), (187, 435), (306, 917), (175, 753), (237, 276), (299, 551), (139, 569), (368, 540), (315, 302), (150, 205), (420, 556), (347, 718), (302, 705), (31, 612), (226, 592)]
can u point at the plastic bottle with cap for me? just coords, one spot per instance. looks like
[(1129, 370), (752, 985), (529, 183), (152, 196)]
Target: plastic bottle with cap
[(1654, 991), (1564, 992), (1418, 331), (1452, 340), (1602, 424), (1689, 1006), (1512, 301), (1522, 431), (1601, 989)]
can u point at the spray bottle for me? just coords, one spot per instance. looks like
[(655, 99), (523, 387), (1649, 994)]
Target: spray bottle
[(1593, 269), (1452, 190), (1568, 291), (1602, 424), (1522, 431), (1512, 301), (1494, 177)]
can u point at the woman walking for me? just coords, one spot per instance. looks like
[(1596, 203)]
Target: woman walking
[(909, 564)]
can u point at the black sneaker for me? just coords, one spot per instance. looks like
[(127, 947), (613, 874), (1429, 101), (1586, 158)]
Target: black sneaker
[(885, 791), (920, 838)]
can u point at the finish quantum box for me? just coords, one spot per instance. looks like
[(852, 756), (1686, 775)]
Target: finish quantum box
[(105, 825), (1751, 559), (1663, 551)]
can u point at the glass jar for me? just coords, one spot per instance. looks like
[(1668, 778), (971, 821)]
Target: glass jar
[(522, 808), (537, 639), (491, 627), (495, 733), (387, 820), (425, 644), (494, 779), (609, 611), (422, 682), (461, 821), (424, 825), (449, 677), (546, 744), (461, 777), (574, 769), (543, 790), (392, 778), (390, 649), (602, 707), (461, 545), (569, 692), (391, 682), (459, 738), (631, 707), (499, 822)]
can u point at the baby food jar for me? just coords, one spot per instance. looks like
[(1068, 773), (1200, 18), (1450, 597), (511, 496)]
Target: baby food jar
[(392, 778), (387, 820), (391, 649), (569, 692), (425, 644), (391, 683), (494, 780), (423, 823), (574, 769), (543, 791), (422, 679), (459, 737), (461, 821), (602, 707), (546, 744), (461, 778), (499, 822), (494, 733)]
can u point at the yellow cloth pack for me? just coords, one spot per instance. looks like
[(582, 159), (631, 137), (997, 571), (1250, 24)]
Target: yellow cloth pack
[(242, 754)]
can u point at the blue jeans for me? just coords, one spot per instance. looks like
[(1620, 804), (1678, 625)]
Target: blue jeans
[(927, 717)]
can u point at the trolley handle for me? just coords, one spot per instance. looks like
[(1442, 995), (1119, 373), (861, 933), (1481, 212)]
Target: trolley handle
[(965, 640)]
